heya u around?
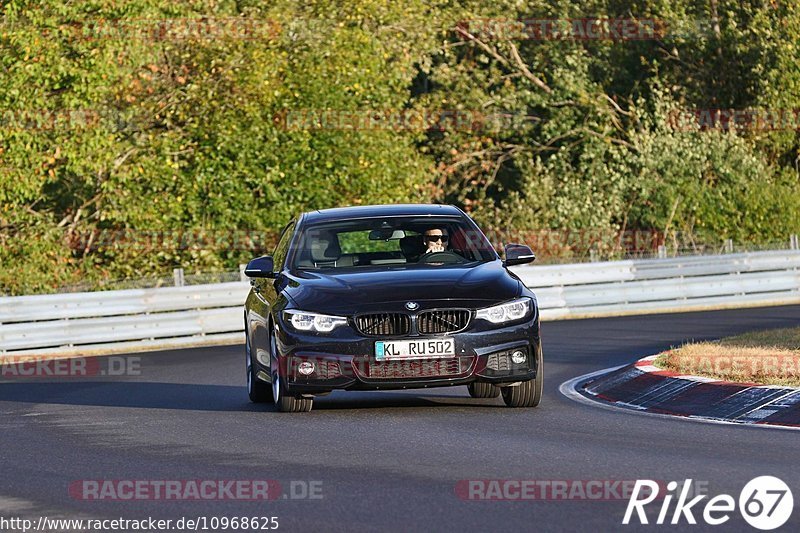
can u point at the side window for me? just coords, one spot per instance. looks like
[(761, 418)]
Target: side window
[(282, 249)]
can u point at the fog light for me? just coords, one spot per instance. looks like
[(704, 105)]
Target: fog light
[(306, 368), (518, 357)]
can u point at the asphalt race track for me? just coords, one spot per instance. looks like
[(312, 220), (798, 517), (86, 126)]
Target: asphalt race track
[(388, 461)]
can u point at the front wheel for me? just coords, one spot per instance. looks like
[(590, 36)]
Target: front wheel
[(527, 393), (257, 390), (284, 401)]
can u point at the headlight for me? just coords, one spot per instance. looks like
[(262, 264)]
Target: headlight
[(509, 312), (304, 321)]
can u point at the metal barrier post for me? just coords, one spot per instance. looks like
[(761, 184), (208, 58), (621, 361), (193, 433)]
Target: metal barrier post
[(177, 275)]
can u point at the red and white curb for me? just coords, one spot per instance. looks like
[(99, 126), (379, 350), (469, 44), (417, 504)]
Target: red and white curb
[(645, 388)]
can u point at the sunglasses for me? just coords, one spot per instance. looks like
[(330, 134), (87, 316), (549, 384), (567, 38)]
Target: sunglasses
[(432, 238)]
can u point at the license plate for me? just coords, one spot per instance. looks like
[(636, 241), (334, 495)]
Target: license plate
[(415, 349)]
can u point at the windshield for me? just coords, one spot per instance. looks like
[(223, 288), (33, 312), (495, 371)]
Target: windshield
[(379, 241)]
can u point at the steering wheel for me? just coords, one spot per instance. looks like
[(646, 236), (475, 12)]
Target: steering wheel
[(445, 258)]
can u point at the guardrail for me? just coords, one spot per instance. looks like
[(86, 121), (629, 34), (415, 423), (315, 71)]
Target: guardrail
[(665, 285), (203, 314)]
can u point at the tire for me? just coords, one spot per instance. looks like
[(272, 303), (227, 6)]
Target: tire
[(257, 390), (527, 393), (520, 395), (284, 401), (483, 390), (538, 382)]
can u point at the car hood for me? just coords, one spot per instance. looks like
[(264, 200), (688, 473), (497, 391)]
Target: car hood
[(368, 289)]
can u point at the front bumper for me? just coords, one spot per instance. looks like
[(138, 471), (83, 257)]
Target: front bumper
[(344, 359)]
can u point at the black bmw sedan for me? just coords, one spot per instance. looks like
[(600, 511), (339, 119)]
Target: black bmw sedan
[(390, 297)]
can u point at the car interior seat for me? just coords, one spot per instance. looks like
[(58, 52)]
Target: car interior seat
[(412, 247)]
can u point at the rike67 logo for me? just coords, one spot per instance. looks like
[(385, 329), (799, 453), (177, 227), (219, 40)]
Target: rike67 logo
[(765, 503)]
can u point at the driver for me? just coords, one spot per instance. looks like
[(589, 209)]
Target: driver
[(435, 240)]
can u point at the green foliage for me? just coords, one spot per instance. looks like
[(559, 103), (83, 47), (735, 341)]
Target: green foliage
[(162, 133), (153, 116), (599, 149)]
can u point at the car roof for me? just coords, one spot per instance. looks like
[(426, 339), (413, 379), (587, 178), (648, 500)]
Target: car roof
[(369, 211)]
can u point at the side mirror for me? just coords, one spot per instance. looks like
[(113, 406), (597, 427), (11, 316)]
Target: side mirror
[(260, 267), (518, 254)]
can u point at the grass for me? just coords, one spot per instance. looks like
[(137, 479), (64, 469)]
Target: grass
[(769, 357)]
